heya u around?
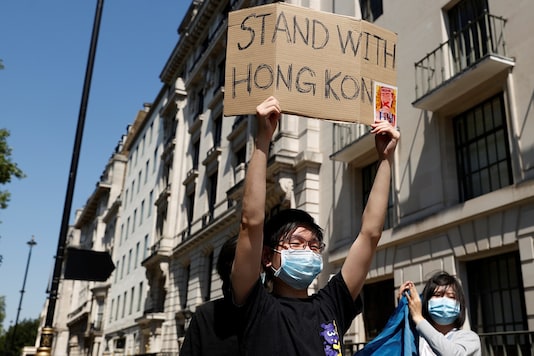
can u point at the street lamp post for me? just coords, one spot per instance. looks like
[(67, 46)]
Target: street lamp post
[(47, 332), (31, 243)]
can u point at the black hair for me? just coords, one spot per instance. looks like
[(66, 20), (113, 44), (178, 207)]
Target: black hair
[(226, 259), (439, 279), (286, 222)]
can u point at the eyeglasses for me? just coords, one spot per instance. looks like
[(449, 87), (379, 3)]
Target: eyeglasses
[(296, 242)]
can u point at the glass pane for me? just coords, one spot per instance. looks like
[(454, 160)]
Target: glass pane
[(475, 185), (482, 154), (497, 111), (495, 177), (492, 149), (500, 145), (505, 178), (479, 122), (471, 131), (488, 117), (485, 184), (473, 157)]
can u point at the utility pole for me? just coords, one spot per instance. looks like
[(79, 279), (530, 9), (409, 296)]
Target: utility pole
[(47, 333), (31, 243)]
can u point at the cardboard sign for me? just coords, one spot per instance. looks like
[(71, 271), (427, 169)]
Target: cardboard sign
[(317, 64)]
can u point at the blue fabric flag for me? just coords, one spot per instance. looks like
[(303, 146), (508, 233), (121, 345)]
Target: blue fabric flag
[(398, 338)]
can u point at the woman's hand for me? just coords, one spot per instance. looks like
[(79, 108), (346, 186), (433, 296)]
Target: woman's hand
[(414, 301)]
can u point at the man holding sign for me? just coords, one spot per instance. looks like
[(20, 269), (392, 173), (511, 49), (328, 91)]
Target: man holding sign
[(288, 248)]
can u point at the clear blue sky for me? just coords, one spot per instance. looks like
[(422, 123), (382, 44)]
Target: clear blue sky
[(44, 46)]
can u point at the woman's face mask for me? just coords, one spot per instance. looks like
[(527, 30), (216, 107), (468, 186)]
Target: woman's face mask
[(298, 268), (443, 310)]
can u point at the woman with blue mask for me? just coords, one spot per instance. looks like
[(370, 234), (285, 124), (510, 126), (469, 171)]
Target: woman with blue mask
[(440, 316), (288, 249)]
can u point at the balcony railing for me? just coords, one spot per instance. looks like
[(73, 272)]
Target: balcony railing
[(478, 40), (346, 134), (507, 343)]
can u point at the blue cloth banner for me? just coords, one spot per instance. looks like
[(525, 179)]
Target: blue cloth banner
[(398, 338)]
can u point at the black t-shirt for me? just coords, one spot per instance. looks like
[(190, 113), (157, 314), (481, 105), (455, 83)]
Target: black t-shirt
[(277, 326), (212, 330)]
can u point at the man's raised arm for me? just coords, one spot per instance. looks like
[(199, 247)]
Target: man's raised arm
[(247, 263), (361, 253)]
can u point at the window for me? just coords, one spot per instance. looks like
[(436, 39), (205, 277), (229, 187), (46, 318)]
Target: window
[(217, 130), (97, 324), (378, 306), (482, 150), (117, 270), (147, 165), (142, 212), (371, 9), (122, 265), (155, 160), (134, 220), (124, 305), (209, 260), (122, 234), (143, 145), (220, 70), (184, 295), (129, 261), (497, 301), (117, 310), (200, 103), (212, 193), (241, 155), (190, 205), (132, 294), (145, 249), (111, 310), (137, 247), (368, 177), (150, 203), (196, 153), (140, 298), (468, 32)]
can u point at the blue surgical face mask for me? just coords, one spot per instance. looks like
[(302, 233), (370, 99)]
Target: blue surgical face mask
[(443, 311), (298, 268)]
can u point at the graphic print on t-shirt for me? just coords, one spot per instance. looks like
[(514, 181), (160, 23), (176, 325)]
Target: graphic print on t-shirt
[(331, 342)]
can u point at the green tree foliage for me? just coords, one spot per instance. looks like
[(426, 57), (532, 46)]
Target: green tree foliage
[(1, 64), (8, 168), (2, 312), (25, 335)]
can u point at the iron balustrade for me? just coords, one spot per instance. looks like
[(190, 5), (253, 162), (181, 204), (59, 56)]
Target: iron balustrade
[(464, 49), (505, 343), (347, 133)]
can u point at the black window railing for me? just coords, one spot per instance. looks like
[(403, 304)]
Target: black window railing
[(479, 39)]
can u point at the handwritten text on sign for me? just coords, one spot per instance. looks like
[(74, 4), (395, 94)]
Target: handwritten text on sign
[(318, 64)]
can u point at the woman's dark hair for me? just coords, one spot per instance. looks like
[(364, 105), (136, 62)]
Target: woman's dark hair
[(286, 222), (444, 279)]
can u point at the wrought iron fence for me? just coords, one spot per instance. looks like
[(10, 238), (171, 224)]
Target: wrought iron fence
[(477, 40), (507, 343), (347, 133)]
